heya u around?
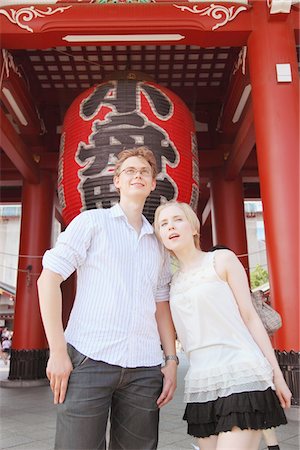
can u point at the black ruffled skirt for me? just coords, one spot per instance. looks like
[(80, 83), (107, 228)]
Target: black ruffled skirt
[(255, 410)]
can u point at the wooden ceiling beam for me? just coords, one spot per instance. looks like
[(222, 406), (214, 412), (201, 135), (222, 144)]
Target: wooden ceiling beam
[(208, 159), (73, 22), (10, 180), (17, 152), (11, 194), (242, 146), (17, 99)]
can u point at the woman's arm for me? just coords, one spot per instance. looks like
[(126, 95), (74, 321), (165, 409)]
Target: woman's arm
[(231, 270)]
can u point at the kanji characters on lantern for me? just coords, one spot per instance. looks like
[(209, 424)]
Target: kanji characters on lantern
[(120, 114)]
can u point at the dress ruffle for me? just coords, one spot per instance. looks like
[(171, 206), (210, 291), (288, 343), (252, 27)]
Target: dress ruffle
[(247, 410), (182, 282), (206, 385)]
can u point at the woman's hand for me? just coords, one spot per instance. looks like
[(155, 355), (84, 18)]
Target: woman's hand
[(282, 390)]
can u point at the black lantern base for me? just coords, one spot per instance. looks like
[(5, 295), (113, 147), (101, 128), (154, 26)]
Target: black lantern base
[(289, 363), (28, 364)]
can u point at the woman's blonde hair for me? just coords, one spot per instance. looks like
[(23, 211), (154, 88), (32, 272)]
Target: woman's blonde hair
[(140, 152), (189, 214)]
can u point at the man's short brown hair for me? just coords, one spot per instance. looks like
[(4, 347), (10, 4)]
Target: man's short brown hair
[(140, 152)]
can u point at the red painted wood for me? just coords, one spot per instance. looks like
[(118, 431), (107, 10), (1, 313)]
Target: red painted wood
[(237, 83), (17, 151), (17, 87), (276, 118), (49, 31), (228, 221), (36, 226), (242, 146), (68, 288)]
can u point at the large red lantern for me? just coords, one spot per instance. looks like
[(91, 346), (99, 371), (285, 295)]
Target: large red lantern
[(120, 114)]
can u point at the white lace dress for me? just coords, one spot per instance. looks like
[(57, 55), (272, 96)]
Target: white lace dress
[(224, 358)]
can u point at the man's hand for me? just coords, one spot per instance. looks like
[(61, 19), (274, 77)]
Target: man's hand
[(58, 372), (169, 383)]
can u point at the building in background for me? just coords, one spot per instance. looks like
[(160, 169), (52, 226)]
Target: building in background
[(10, 221), (255, 235), (10, 225)]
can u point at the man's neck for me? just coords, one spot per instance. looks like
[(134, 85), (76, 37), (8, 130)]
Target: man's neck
[(133, 211)]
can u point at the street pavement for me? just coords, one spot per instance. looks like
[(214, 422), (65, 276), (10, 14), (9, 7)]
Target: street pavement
[(28, 418)]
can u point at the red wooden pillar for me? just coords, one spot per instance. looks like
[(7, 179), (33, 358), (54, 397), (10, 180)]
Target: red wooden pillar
[(68, 288), (29, 347), (228, 219), (206, 241), (276, 119)]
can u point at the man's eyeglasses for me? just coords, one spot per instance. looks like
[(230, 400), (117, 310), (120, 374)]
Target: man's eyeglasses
[(132, 171)]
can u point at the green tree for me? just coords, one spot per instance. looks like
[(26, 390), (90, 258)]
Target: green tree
[(258, 276)]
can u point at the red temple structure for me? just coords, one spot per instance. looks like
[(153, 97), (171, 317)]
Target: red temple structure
[(234, 64)]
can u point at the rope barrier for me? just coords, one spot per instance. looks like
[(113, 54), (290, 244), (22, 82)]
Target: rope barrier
[(40, 256), (28, 271), (38, 273), (30, 274), (20, 256)]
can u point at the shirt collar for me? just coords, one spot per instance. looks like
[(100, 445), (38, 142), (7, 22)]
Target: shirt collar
[(117, 211)]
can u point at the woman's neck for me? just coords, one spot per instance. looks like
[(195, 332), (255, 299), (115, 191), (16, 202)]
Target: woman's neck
[(189, 258)]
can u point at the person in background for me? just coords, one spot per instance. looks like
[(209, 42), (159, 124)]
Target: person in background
[(234, 387), (109, 358), (2, 354), (5, 333), (6, 349)]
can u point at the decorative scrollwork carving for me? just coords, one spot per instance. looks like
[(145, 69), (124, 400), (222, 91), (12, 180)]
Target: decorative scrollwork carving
[(9, 63), (20, 16), (216, 12), (241, 61)]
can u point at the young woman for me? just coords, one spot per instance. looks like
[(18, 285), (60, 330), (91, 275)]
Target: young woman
[(233, 377)]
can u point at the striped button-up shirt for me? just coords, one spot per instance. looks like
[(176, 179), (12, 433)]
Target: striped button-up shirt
[(120, 277)]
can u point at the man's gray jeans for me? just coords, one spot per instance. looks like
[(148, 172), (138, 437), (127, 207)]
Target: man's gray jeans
[(96, 388)]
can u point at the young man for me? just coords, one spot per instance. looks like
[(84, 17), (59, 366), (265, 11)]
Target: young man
[(109, 358)]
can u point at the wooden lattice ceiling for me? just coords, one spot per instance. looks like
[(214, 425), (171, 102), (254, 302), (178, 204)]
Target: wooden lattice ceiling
[(173, 66), (198, 75)]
